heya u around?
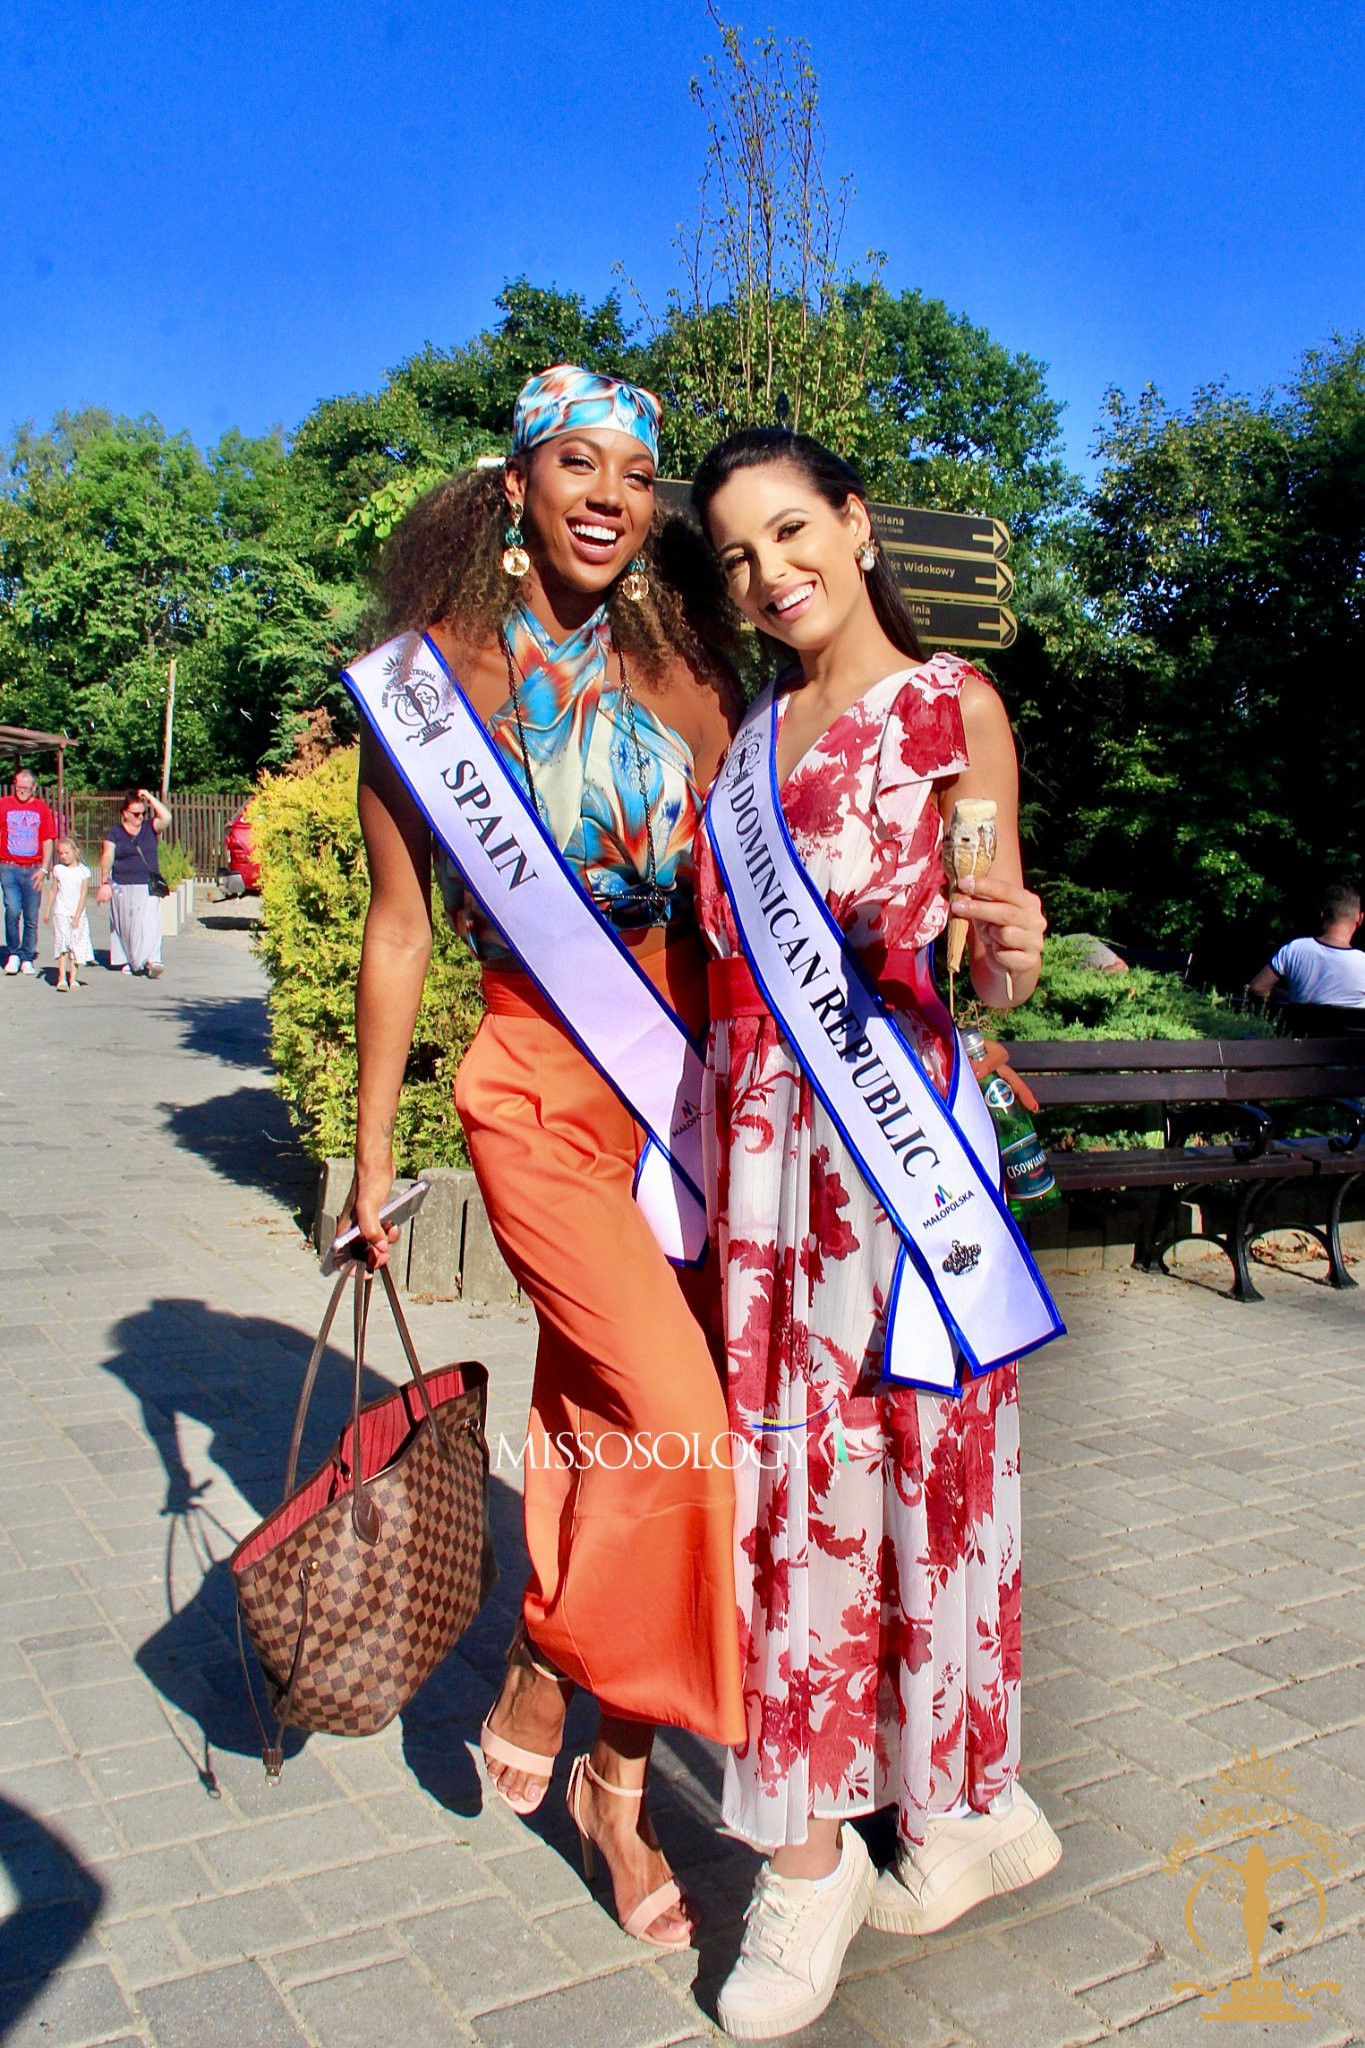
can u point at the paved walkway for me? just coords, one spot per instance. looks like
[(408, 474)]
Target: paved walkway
[(1193, 1588)]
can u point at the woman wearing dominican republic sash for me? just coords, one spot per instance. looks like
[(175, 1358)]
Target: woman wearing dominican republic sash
[(877, 1533), (549, 712)]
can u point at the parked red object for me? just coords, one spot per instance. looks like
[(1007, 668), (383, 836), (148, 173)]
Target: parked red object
[(241, 854)]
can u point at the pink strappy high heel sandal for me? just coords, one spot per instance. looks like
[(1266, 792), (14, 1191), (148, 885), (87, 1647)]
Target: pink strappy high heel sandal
[(533, 1762), (643, 1916)]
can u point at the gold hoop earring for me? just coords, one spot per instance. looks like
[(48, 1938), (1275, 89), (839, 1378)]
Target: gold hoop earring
[(515, 560), (635, 583), (866, 557)]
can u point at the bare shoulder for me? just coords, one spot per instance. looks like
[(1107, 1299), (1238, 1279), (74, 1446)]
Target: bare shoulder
[(478, 664), (983, 709)]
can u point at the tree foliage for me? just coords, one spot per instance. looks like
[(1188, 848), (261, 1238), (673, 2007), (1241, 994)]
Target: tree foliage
[(1190, 690)]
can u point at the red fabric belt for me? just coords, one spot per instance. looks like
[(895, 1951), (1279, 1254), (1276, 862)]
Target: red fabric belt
[(733, 990)]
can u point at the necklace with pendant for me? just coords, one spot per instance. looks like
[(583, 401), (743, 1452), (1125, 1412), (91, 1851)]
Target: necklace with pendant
[(639, 903)]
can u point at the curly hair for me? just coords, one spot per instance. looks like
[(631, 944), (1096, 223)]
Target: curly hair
[(443, 561)]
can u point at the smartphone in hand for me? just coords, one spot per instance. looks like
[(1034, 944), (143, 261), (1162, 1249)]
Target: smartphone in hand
[(406, 1199)]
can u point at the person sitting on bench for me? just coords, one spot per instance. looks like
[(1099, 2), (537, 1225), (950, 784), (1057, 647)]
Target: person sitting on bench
[(1328, 969)]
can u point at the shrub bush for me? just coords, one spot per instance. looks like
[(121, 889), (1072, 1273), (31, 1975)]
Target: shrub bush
[(1072, 1001), (175, 863), (314, 891)]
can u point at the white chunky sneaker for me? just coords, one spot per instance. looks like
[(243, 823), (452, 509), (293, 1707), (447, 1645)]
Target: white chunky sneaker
[(960, 1863), (795, 1938), (12, 964)]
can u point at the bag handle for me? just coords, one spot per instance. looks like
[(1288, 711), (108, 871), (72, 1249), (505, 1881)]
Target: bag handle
[(354, 1273)]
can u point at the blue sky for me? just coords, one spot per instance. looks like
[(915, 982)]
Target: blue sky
[(220, 215)]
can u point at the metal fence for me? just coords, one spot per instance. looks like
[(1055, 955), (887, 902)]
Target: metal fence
[(199, 819)]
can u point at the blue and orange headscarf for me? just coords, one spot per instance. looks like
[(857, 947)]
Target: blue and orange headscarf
[(565, 400)]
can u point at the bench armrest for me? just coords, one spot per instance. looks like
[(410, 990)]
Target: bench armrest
[(1259, 1124), (1348, 1141)]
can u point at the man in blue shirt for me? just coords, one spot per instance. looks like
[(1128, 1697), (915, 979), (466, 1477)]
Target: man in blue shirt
[(1327, 969)]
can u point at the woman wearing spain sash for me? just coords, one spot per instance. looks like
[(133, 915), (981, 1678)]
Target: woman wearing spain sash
[(877, 1533), (548, 692)]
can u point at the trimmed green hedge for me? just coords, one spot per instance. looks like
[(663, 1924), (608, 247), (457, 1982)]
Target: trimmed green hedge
[(314, 892), (1072, 1001)]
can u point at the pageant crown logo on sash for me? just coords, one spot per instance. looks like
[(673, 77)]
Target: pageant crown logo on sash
[(921, 1156), (511, 864)]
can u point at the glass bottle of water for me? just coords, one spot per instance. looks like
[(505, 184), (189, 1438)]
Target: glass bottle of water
[(1029, 1186)]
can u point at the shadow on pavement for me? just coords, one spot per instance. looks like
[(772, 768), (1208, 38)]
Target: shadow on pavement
[(235, 1029), (58, 1899), (246, 1136)]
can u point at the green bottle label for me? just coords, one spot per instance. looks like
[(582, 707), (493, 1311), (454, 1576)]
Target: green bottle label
[(998, 1093)]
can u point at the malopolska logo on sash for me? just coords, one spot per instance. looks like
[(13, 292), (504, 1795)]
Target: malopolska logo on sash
[(921, 1156), (511, 865)]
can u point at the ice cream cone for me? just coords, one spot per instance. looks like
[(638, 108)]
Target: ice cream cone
[(968, 852)]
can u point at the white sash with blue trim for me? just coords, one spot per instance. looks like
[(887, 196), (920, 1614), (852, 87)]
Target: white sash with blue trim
[(512, 866), (964, 1276)]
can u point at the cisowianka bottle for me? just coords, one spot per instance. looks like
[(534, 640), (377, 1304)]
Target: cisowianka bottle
[(1029, 1186)]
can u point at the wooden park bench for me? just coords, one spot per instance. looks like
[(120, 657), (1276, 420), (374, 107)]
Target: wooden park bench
[(1257, 1089)]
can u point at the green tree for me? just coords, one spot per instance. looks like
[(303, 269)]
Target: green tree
[(1205, 658)]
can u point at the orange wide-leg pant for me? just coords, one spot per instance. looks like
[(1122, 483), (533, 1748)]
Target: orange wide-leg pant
[(631, 1592)]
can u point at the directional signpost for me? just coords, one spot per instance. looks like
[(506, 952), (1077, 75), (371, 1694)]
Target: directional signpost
[(948, 624), (950, 567), (953, 575), (943, 558)]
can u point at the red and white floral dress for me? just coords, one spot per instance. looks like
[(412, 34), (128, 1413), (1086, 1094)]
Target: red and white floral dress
[(877, 1527)]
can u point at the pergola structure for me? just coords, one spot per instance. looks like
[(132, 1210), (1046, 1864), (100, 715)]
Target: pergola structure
[(18, 739)]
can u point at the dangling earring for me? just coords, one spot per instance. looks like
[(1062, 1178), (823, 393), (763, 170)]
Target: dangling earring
[(515, 559), (867, 557), (635, 582)]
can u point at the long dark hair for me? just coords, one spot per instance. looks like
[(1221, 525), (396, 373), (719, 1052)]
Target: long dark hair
[(835, 480)]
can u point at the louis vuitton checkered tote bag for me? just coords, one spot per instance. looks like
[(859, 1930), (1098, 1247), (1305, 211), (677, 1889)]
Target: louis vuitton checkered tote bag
[(369, 1572)]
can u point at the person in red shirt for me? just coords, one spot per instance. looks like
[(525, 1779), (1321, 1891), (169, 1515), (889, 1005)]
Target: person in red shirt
[(27, 832)]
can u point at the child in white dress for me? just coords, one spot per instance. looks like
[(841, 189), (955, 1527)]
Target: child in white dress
[(65, 911)]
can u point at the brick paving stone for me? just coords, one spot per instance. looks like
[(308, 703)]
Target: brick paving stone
[(1304, 1653), (68, 2011), (246, 1924), (1334, 1699), (156, 1878), (1077, 1947), (625, 2009), (481, 1955), (1251, 1724), (145, 1951), (1141, 1806), (1000, 2002), (221, 2009), (1162, 1744), (891, 2011), (360, 1893), (340, 1956), (371, 2008)]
